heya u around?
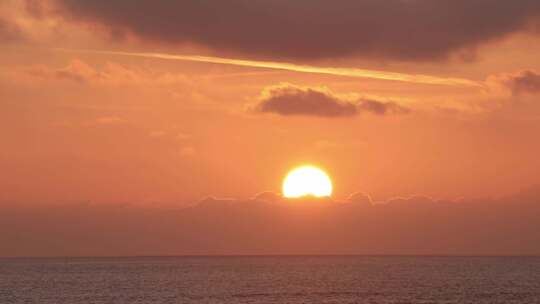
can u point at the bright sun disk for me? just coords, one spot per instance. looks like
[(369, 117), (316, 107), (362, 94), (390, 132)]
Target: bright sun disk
[(307, 180)]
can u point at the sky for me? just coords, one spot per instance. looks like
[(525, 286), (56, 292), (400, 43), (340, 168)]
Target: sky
[(165, 105)]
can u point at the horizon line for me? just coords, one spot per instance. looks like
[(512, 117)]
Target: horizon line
[(382, 255)]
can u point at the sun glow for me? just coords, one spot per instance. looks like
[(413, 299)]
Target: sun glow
[(307, 180)]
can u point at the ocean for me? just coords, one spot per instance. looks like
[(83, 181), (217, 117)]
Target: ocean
[(271, 279)]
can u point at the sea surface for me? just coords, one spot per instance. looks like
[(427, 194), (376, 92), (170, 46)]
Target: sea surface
[(293, 279)]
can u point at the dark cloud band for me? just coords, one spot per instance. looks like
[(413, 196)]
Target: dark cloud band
[(271, 225), (309, 29)]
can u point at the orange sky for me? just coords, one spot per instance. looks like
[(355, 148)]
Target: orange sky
[(82, 126), (391, 107), (103, 127)]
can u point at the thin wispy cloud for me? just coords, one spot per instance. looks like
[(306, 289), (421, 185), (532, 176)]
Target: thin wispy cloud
[(347, 72)]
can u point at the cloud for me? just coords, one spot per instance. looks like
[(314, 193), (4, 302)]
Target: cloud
[(77, 71), (269, 224), (526, 81), (382, 108), (10, 32), (360, 198), (287, 66), (268, 196), (292, 100), (288, 100), (110, 74), (307, 29)]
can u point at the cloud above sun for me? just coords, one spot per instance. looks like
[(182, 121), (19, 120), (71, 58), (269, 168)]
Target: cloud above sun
[(291, 100), (307, 29)]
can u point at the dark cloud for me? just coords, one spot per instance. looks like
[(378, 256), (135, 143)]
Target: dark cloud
[(398, 29), (521, 82), (293, 100), (288, 100), (416, 225), (382, 108)]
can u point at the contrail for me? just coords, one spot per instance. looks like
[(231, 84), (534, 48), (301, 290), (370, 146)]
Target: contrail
[(348, 72)]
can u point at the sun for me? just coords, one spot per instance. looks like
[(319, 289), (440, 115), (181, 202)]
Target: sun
[(307, 180)]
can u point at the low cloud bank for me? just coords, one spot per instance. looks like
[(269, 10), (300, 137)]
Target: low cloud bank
[(268, 224)]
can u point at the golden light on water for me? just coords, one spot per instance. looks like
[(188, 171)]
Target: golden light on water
[(307, 181)]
